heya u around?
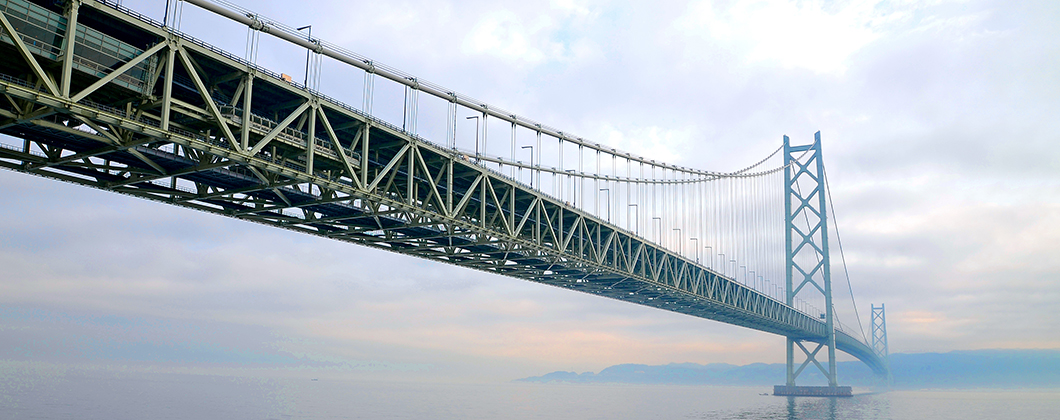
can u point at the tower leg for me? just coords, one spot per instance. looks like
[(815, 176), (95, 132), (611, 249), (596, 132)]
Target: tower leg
[(791, 362)]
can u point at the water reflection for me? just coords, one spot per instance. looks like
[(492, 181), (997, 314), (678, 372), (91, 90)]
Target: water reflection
[(866, 406), (799, 408), (31, 391)]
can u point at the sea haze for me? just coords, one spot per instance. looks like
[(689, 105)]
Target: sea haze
[(957, 369), (49, 392)]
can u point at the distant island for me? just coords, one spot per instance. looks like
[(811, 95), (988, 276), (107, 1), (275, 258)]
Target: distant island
[(956, 369)]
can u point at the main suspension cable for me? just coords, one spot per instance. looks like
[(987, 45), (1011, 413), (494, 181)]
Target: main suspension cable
[(843, 257)]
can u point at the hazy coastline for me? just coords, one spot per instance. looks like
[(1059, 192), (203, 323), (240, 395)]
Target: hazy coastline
[(977, 369)]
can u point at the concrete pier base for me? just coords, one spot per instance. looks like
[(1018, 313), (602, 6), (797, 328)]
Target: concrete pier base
[(812, 391)]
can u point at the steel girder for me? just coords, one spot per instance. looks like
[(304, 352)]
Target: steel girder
[(200, 128)]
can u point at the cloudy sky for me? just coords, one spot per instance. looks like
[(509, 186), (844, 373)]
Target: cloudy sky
[(939, 121)]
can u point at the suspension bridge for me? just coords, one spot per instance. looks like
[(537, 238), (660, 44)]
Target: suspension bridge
[(102, 96)]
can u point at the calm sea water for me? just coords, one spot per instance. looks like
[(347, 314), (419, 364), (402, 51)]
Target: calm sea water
[(95, 394)]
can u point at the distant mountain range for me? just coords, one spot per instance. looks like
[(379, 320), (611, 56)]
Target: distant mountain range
[(957, 369)]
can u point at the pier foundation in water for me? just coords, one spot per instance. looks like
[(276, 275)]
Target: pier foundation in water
[(812, 391)]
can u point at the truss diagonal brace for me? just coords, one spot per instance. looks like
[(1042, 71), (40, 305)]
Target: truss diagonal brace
[(279, 128), (27, 55), (221, 121), (118, 72)]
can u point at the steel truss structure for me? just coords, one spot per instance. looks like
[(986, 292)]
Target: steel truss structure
[(138, 108), (879, 332), (807, 249)]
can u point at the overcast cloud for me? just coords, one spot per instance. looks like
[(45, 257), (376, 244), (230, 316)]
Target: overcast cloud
[(939, 122)]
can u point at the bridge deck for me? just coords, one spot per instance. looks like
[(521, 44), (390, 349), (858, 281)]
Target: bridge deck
[(151, 112)]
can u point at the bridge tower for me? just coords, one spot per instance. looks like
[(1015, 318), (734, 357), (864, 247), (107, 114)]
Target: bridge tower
[(808, 267), (879, 336), (879, 331)]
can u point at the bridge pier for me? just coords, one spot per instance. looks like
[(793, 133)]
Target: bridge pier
[(812, 391)]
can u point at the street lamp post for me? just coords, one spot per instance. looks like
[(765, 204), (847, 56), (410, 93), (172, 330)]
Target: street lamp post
[(696, 247), (531, 162), (658, 237), (710, 264), (310, 39), (637, 223), (680, 243), (478, 157), (608, 190), (573, 186)]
